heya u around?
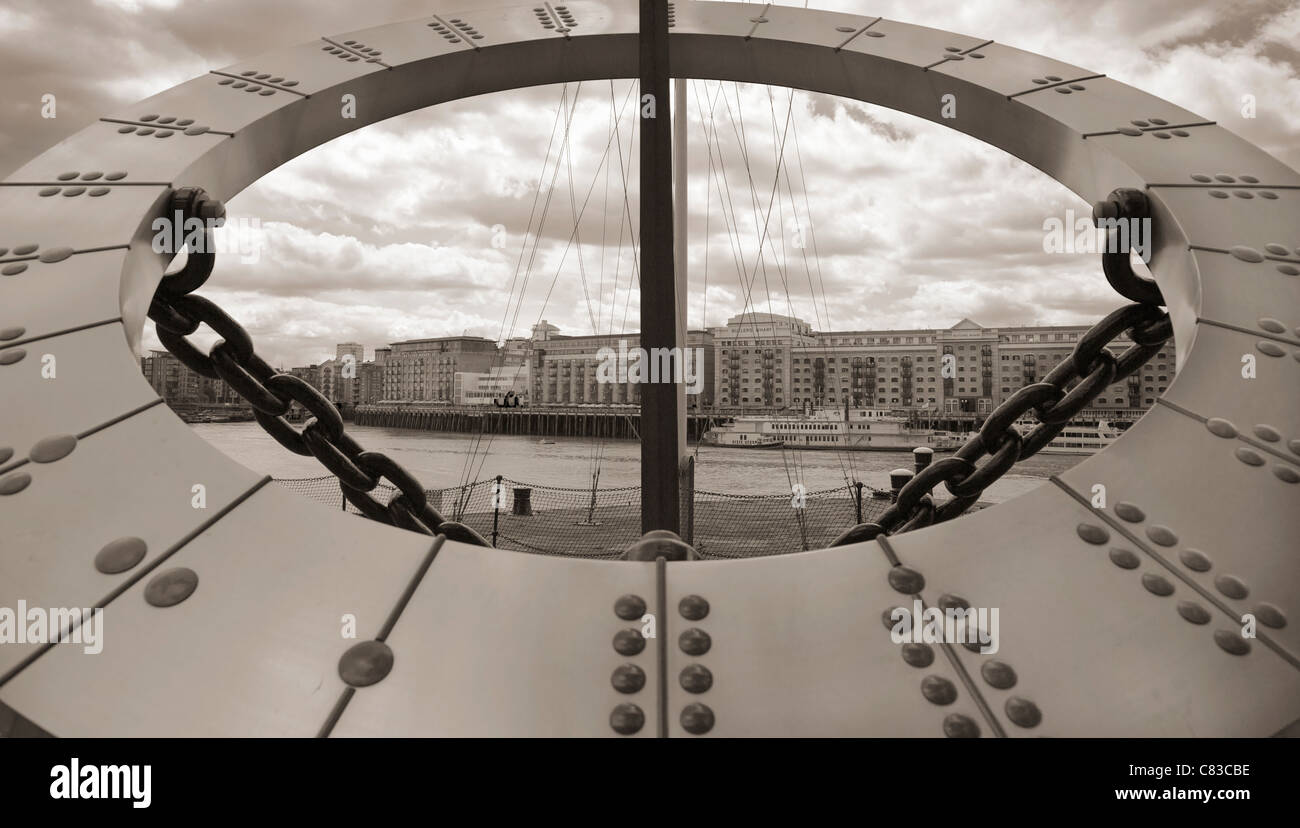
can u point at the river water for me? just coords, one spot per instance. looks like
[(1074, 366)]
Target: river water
[(441, 460)]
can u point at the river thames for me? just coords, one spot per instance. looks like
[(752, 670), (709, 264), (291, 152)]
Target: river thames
[(441, 460)]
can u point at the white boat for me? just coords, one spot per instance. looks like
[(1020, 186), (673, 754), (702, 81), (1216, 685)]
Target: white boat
[(1078, 438), (854, 429)]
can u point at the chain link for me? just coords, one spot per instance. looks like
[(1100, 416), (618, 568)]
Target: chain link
[(177, 314), (1063, 393)]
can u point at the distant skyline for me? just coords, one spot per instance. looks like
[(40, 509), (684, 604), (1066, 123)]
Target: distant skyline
[(387, 234)]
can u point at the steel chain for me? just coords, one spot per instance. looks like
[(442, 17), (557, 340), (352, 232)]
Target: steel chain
[(1064, 392), (177, 314)]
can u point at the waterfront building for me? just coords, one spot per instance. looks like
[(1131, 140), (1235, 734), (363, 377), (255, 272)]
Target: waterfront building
[(424, 370), (774, 363), (172, 380), (492, 387)]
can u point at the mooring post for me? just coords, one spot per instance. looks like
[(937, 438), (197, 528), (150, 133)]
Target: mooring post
[(857, 500), (663, 403)]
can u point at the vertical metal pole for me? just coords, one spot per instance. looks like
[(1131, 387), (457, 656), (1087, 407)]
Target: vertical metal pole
[(662, 403), (496, 509)]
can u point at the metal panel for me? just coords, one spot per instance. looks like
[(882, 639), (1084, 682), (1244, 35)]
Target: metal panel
[(1104, 105), (1145, 493), (108, 493), (35, 303), (1008, 71), (499, 643), (1065, 609), (1213, 384), (799, 648), (1260, 297), (254, 651), (96, 380)]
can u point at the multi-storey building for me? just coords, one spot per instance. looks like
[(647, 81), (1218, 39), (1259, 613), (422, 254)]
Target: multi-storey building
[(770, 363), (176, 383), (577, 370), (425, 369)]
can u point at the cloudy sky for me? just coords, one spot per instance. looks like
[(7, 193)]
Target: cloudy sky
[(420, 226)]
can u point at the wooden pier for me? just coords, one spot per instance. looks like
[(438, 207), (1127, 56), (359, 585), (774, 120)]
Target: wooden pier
[(602, 423)]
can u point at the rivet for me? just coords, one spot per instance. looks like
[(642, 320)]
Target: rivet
[(11, 333), (938, 690), (957, 726), (67, 176), (162, 134), (999, 675), (1231, 586), (1289, 270), (918, 655), (1124, 558), (1247, 254), (1246, 194), (1277, 249), (875, 34), (1131, 513), (196, 130), (1159, 121), (120, 555), (953, 602), (1294, 445), (155, 117), (1145, 124), (73, 192), (626, 719), (906, 581), (1220, 427), (170, 587), (12, 355), (1231, 642), (1204, 179), (14, 269), (1157, 584), (26, 249), (697, 718), (628, 678), (366, 663), (1023, 712), (14, 483), (57, 254), (53, 448), (628, 642), (693, 607), (1249, 456), (1162, 535), (115, 176), (629, 607), (1195, 560), (1249, 179), (50, 191), (96, 192), (1270, 616), (1193, 612), (1225, 178), (696, 678), (1092, 533), (1269, 348), (887, 617), (694, 641), (845, 29), (1218, 194), (1267, 433), (5, 454), (1129, 131), (1286, 474)]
